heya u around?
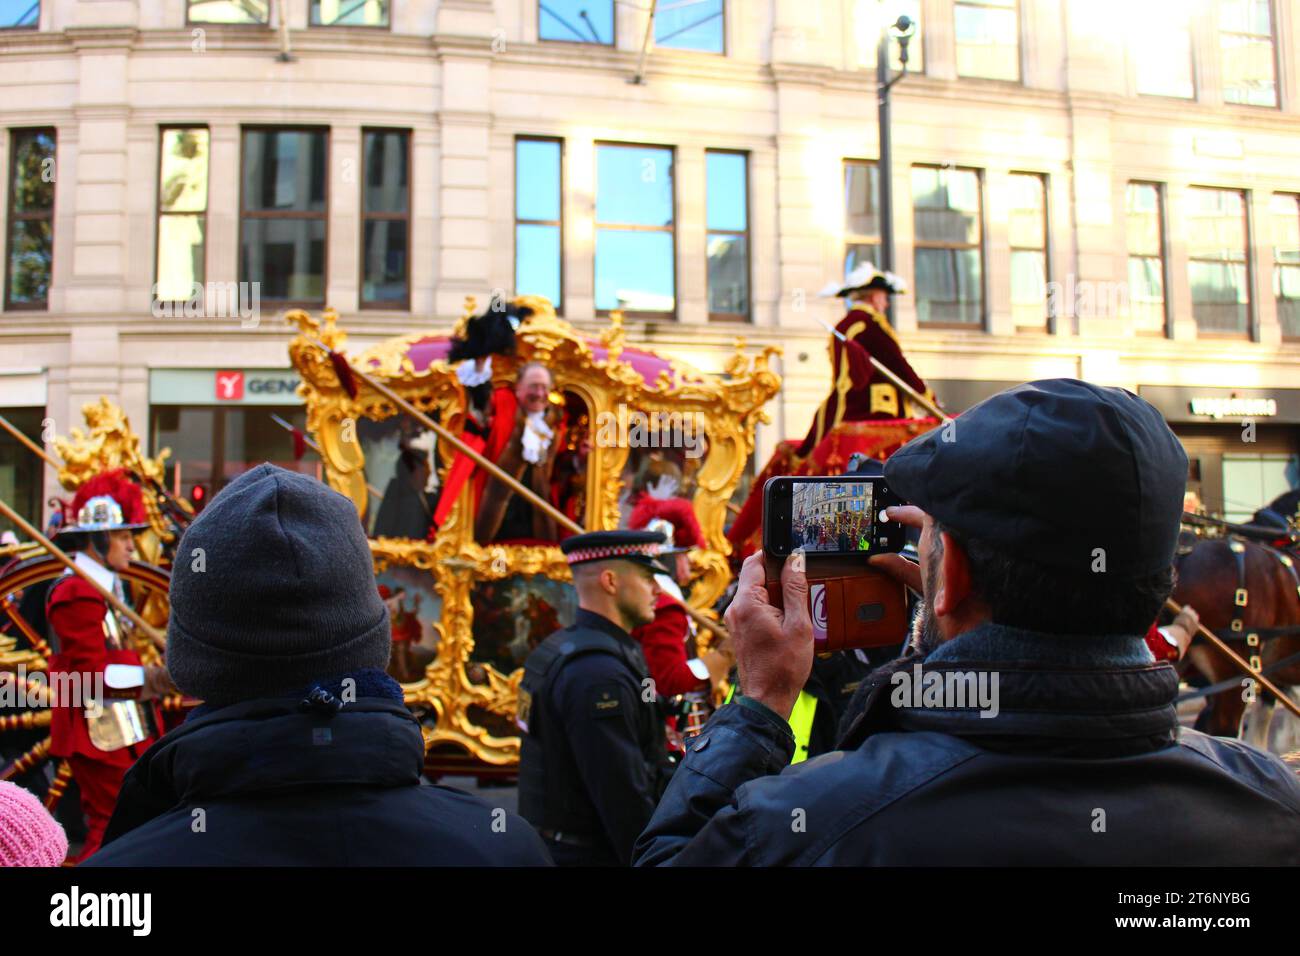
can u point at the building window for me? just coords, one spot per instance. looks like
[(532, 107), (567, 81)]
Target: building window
[(385, 218), (1218, 267), (691, 25), (1162, 48), (1030, 272), (1286, 262), (282, 220), (948, 223), (21, 471), (539, 219), (1246, 50), (861, 213), (182, 213), (349, 13), (576, 21), (20, 14), (727, 201), (230, 11), (30, 254), (635, 241), (988, 38), (1145, 231)]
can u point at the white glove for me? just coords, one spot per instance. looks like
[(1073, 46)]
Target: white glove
[(662, 488)]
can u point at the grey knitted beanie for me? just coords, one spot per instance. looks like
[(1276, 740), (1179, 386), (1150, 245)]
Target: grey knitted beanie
[(272, 589)]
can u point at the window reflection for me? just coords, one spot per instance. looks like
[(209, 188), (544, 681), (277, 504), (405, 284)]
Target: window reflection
[(349, 13), (1285, 209), (229, 11), (19, 13), (1146, 264), (385, 226), (634, 229), (282, 229), (1217, 259), (31, 219), (1246, 48), (1027, 231), (538, 218), (182, 212), (949, 267), (576, 21), (988, 38), (727, 216), (691, 25)]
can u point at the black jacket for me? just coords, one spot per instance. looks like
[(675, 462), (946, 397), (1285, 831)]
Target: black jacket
[(1081, 765), (593, 762), (264, 782)]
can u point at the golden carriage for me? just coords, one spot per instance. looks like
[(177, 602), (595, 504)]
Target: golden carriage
[(479, 607)]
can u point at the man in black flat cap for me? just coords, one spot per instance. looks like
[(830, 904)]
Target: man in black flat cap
[(1030, 725), (593, 761)]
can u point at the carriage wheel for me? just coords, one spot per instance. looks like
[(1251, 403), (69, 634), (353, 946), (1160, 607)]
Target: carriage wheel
[(24, 651)]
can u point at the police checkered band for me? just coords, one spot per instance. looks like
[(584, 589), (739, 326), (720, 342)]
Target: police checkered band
[(649, 550)]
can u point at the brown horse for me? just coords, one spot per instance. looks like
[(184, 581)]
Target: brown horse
[(1209, 577)]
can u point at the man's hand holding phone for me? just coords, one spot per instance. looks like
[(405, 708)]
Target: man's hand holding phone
[(774, 646), (895, 565)]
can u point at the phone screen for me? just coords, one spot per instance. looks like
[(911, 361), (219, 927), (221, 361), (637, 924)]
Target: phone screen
[(829, 516), (835, 517)]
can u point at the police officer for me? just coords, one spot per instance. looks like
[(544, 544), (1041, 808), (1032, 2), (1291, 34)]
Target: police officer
[(593, 763)]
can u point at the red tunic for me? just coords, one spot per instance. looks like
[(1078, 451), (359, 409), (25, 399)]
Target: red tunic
[(663, 642), (76, 612), (859, 392)]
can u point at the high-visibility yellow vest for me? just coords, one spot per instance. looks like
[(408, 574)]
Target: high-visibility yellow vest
[(801, 722)]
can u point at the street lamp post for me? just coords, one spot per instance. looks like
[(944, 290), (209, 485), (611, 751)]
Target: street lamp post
[(901, 29)]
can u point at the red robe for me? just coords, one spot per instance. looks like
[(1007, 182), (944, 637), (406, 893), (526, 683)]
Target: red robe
[(76, 611), (663, 643), (859, 392)]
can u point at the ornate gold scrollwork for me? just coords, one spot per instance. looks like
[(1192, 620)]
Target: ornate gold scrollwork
[(730, 406)]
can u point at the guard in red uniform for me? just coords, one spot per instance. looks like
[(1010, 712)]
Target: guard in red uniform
[(668, 642), (99, 735), (859, 391)]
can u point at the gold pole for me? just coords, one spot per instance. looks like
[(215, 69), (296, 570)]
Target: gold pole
[(35, 448), (146, 628), (495, 470), (1232, 656)]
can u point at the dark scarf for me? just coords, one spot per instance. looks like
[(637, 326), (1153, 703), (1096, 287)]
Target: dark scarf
[(369, 682)]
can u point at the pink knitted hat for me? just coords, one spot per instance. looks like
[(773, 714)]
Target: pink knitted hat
[(29, 836)]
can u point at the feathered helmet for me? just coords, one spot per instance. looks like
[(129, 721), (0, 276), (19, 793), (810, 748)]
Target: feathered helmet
[(108, 502), (675, 517)]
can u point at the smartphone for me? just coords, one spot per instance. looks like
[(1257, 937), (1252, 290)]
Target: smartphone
[(833, 516)]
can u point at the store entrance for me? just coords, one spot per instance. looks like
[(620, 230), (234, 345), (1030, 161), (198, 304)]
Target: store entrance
[(1232, 477), (211, 445)]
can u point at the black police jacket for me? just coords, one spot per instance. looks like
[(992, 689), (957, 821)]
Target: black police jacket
[(264, 782), (592, 764), (1081, 765)]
